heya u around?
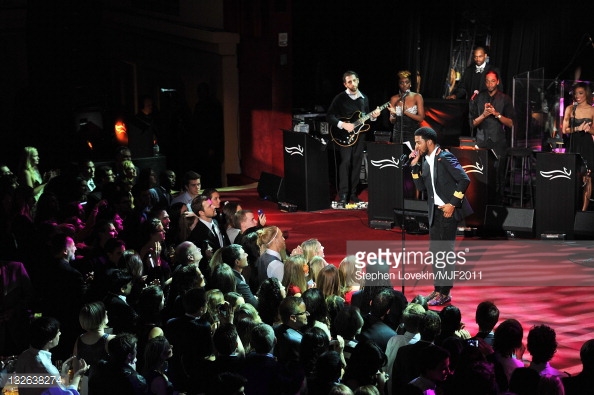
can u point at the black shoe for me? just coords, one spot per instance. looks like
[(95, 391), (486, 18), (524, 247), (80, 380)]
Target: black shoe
[(355, 198), (342, 199)]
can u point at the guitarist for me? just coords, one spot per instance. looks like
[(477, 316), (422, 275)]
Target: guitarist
[(345, 104)]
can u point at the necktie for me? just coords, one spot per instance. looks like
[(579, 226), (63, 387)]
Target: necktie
[(215, 230)]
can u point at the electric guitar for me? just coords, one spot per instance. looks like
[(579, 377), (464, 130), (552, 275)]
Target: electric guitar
[(345, 138)]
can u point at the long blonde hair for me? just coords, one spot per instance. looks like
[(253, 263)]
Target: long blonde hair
[(294, 273)]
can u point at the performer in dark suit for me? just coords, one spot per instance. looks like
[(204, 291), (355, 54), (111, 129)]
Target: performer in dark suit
[(474, 76), (207, 235), (441, 175)]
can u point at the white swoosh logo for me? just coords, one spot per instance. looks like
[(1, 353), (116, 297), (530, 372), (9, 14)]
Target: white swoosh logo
[(294, 150), (476, 168), (386, 163), (551, 175)]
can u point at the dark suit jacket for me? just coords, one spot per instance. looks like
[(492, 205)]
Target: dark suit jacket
[(192, 342), (244, 289), (375, 329), (451, 182), (471, 81), (406, 365), (202, 236), (122, 317)]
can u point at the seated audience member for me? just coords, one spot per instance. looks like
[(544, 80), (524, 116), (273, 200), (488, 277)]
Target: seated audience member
[(207, 234), (190, 336), (37, 359), (117, 374), (349, 275), (524, 381), (247, 222), (451, 324), (366, 366), (295, 275), (162, 193), (374, 327), (229, 352), (583, 382), (406, 365), (91, 346), (236, 258), (434, 362), (326, 374), (508, 338), (157, 352), (542, 345), (148, 323), (270, 296), (294, 317), (191, 189), (486, 317), (476, 378), (314, 343), (272, 249), (317, 310), (347, 324), (122, 317), (411, 319), (264, 374), (228, 211)]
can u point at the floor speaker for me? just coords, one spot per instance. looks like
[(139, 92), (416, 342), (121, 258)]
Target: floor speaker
[(499, 219), (270, 187), (584, 224)]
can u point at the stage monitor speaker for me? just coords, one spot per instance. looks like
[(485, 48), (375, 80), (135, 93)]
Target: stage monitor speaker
[(499, 219), (416, 216), (270, 187), (583, 226)]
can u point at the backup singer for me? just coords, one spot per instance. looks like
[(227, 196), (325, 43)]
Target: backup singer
[(577, 122), (410, 104)]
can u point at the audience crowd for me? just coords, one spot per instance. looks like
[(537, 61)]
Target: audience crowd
[(119, 284)]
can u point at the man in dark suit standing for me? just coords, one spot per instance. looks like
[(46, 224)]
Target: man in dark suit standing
[(190, 335), (474, 76), (445, 181), (207, 234)]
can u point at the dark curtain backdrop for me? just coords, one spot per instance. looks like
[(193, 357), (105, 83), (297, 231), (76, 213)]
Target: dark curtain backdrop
[(377, 40)]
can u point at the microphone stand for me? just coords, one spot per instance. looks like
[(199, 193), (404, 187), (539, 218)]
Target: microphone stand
[(404, 160)]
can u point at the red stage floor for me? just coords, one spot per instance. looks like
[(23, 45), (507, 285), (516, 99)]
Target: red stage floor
[(567, 309)]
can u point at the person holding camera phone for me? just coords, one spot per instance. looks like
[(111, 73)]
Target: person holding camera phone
[(577, 123), (493, 115)]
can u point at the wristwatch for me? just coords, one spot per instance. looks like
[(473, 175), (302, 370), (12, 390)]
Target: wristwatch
[(498, 116)]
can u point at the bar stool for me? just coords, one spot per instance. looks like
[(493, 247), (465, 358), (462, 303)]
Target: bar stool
[(519, 162)]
